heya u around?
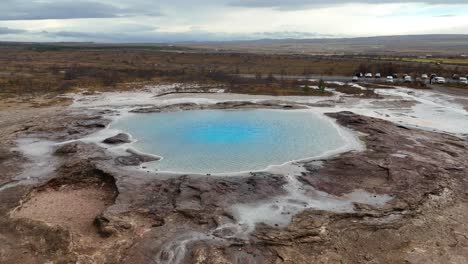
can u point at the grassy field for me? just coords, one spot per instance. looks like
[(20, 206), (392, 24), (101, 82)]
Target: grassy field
[(462, 61), (38, 69)]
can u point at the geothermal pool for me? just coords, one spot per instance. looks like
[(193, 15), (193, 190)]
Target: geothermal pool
[(222, 141)]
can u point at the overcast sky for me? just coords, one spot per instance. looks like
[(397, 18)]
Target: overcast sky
[(212, 20)]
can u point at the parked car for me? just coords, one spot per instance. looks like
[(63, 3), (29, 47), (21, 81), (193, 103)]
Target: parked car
[(456, 77), (463, 80), (377, 75), (389, 79), (355, 79), (439, 80), (408, 79), (368, 75), (395, 76), (424, 76)]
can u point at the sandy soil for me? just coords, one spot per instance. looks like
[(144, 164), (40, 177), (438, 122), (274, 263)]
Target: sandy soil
[(69, 207), (32, 102)]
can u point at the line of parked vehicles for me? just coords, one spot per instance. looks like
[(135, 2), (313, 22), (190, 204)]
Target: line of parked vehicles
[(433, 78)]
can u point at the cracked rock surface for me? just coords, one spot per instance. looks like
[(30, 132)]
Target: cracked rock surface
[(138, 217)]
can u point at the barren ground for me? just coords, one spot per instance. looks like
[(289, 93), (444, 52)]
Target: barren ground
[(88, 209)]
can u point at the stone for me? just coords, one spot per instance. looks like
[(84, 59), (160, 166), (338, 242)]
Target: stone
[(118, 139)]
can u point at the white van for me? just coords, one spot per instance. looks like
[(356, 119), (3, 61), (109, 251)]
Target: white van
[(389, 79), (439, 80), (408, 79)]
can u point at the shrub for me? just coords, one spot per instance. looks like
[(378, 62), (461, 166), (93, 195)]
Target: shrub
[(306, 88), (321, 86)]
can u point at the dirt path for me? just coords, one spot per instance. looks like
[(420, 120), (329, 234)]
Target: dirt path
[(451, 90)]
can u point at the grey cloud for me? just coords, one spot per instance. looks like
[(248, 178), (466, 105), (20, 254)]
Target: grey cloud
[(73, 9), (289, 35), (68, 9), (73, 34), (135, 37), (5, 31), (183, 13), (153, 36), (446, 15), (297, 4)]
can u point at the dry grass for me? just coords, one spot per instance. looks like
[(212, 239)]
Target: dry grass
[(25, 71)]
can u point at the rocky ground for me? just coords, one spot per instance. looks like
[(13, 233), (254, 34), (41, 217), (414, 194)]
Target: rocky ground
[(91, 209)]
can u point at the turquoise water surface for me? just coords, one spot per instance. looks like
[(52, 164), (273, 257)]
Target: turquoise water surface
[(219, 141)]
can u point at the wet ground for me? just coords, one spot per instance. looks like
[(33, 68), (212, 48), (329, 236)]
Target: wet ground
[(402, 199)]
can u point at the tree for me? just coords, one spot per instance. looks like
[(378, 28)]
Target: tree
[(282, 72), (237, 71), (363, 68), (55, 70), (258, 76), (70, 74), (306, 88), (321, 85), (270, 79)]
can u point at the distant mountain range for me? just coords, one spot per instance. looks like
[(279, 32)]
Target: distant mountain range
[(407, 44), (417, 45)]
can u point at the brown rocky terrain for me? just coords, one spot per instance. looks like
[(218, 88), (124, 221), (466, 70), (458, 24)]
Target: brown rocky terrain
[(92, 210)]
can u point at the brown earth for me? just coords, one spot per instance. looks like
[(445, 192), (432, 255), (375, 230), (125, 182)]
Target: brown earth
[(136, 214), (70, 207)]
